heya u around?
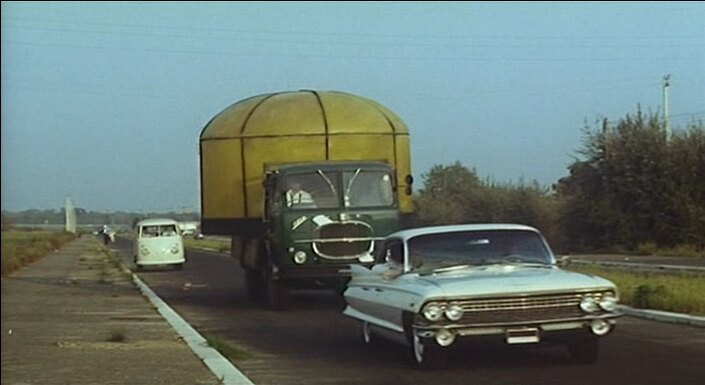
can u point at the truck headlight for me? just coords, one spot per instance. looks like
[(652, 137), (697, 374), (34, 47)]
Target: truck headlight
[(433, 311), (608, 302), (588, 304), (454, 311), (300, 257)]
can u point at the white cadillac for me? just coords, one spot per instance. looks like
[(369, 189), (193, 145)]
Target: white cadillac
[(436, 284)]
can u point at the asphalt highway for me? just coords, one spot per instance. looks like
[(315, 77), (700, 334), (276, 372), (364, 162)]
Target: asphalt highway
[(313, 343)]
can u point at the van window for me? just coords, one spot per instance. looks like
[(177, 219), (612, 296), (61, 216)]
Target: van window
[(159, 231)]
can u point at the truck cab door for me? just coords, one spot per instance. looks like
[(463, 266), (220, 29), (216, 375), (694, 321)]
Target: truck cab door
[(272, 200)]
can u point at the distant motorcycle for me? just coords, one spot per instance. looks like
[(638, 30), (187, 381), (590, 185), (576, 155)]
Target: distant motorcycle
[(108, 236)]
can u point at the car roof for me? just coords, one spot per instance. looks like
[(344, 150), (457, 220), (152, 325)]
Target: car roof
[(156, 221), (411, 233)]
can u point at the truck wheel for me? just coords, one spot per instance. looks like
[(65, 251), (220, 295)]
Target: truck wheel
[(253, 284), (277, 293)]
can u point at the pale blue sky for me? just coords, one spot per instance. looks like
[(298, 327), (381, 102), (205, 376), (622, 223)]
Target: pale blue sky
[(105, 101)]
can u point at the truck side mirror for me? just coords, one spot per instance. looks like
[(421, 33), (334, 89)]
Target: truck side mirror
[(409, 181)]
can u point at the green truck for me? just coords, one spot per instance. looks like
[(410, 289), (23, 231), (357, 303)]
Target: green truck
[(305, 183)]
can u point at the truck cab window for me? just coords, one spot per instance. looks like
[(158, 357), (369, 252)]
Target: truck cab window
[(368, 189), (310, 191)]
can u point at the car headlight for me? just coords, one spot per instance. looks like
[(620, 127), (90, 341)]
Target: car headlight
[(608, 302), (454, 311), (433, 311), (588, 304), (175, 249)]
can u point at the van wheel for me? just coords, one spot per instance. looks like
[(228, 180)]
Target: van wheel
[(137, 266)]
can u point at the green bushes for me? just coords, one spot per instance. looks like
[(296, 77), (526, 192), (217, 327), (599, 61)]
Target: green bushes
[(636, 187), (677, 293)]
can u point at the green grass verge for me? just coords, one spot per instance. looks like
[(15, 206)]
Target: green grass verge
[(20, 247), (684, 293), (226, 349)]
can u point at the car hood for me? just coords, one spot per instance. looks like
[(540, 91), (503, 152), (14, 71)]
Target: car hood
[(505, 279)]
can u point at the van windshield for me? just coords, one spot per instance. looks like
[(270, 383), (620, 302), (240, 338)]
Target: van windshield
[(154, 231)]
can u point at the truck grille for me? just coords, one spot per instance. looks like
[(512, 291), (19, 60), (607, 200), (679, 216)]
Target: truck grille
[(343, 240)]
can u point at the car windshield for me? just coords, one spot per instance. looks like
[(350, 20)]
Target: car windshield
[(446, 251)]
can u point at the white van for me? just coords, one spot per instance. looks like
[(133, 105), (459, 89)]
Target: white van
[(158, 242)]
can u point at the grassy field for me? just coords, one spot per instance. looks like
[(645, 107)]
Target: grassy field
[(676, 293), (222, 246), (20, 248)]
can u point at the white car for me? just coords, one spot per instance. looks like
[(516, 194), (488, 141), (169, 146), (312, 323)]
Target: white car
[(437, 284)]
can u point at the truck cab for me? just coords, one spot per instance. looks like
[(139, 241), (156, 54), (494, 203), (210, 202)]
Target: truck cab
[(320, 218)]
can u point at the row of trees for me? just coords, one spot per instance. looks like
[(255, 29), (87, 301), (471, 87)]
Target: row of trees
[(635, 185), (630, 185)]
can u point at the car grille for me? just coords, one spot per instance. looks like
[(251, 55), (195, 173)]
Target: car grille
[(521, 309), (343, 240)]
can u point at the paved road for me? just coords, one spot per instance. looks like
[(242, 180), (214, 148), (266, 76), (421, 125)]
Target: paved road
[(315, 344)]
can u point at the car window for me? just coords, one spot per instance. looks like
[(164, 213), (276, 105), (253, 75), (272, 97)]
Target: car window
[(479, 248), (394, 251)]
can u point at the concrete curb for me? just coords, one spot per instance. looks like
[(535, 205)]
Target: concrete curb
[(663, 316), (219, 365)]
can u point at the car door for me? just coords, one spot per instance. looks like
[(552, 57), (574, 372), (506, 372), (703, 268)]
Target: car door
[(373, 295)]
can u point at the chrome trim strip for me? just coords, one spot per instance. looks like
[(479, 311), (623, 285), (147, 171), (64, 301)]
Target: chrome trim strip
[(325, 240), (520, 323)]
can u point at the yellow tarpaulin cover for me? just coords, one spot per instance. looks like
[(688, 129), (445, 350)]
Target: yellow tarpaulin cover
[(293, 127)]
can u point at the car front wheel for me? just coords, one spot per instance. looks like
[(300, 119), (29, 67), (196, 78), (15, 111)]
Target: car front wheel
[(427, 354)]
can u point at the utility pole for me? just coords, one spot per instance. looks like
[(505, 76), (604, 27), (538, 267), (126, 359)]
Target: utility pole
[(666, 84)]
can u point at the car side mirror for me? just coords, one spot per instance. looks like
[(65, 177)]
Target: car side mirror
[(563, 261)]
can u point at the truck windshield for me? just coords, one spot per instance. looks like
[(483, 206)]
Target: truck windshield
[(311, 190), (367, 189)]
